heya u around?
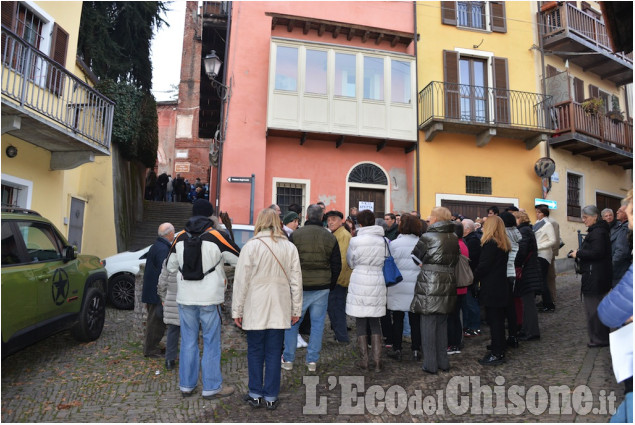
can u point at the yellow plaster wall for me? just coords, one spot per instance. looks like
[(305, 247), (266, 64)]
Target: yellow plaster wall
[(67, 14)]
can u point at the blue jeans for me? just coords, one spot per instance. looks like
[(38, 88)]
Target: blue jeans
[(263, 349), (207, 317), (337, 312), (316, 302), (471, 311), (172, 343)]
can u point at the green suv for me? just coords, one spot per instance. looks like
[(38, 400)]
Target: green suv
[(46, 286)]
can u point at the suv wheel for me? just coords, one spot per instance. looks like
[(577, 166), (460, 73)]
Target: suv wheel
[(91, 317), (121, 291)]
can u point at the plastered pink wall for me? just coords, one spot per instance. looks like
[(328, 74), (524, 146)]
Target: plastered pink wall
[(246, 149)]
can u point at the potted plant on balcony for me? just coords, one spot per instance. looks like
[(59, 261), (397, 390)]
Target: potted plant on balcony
[(615, 114), (592, 106)]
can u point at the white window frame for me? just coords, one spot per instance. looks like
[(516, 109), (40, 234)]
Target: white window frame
[(489, 59), (25, 195), (284, 180), (385, 187), (582, 188), (45, 45)]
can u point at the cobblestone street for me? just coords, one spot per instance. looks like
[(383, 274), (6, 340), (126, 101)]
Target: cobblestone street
[(60, 380)]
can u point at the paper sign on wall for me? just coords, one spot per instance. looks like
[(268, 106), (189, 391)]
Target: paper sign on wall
[(366, 206)]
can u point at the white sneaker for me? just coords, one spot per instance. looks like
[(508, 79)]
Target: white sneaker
[(286, 365), (301, 342), (312, 367)]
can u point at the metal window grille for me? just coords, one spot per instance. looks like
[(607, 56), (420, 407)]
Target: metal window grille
[(368, 173), (471, 14), (289, 193), (574, 209), (480, 185)]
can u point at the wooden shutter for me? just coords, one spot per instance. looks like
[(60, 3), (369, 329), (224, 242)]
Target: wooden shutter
[(59, 48), (552, 71), (578, 90), (594, 91), (448, 12), (497, 16), (451, 84), (9, 9), (501, 93)]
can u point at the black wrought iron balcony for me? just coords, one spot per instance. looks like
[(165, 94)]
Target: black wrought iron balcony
[(57, 110), (574, 35), (594, 135), (485, 112)]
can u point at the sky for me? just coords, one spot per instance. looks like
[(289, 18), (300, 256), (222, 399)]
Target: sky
[(167, 46)]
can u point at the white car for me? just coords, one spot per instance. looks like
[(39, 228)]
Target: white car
[(123, 267)]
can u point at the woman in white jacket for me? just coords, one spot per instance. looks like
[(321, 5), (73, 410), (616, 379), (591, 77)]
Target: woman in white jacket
[(267, 299), (545, 239), (366, 299), (400, 296)]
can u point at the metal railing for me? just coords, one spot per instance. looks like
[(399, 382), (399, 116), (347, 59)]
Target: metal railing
[(483, 105), (571, 117), (569, 17), (41, 85)]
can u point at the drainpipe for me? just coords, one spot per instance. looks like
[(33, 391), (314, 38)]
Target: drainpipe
[(224, 112), (544, 73), (417, 165)]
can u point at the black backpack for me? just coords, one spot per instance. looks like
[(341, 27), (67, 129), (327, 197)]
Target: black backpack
[(193, 259)]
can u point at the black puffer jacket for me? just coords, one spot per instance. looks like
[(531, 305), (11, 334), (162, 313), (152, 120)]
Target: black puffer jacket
[(438, 250), (595, 260), (492, 273), (527, 258)]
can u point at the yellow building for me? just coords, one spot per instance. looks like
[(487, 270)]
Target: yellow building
[(55, 127), (593, 142), (482, 115)]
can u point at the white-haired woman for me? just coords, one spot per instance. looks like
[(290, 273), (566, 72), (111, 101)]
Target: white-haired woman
[(267, 299)]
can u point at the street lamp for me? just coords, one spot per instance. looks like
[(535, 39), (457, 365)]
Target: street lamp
[(212, 66)]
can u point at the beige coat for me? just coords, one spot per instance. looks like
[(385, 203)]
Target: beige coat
[(263, 296)]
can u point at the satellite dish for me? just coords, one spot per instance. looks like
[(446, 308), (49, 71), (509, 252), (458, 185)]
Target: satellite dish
[(545, 167)]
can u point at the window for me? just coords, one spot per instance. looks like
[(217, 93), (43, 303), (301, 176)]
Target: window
[(286, 68), (288, 194), (574, 187), (470, 14), (344, 75), (10, 250), (316, 71), (29, 26), (42, 244), (367, 173), (479, 15), (480, 185), (373, 78), (400, 81), (473, 80)]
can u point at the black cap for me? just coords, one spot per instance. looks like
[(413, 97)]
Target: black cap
[(202, 207), (508, 218), (334, 213)]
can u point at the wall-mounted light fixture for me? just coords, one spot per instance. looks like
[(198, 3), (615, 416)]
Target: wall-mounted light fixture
[(212, 66), (12, 151)]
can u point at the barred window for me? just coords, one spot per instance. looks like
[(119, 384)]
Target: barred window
[(574, 186), (480, 185), (288, 194)]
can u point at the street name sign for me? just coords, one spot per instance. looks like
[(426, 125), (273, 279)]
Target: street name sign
[(239, 179), (553, 205)]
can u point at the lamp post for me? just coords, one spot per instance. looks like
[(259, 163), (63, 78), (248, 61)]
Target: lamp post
[(212, 66)]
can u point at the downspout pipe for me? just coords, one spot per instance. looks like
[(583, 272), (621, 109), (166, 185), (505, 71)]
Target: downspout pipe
[(224, 111), (417, 164)]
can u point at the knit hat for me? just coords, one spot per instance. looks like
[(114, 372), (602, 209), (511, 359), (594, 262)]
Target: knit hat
[(202, 207), (289, 217), (508, 218), (334, 213)]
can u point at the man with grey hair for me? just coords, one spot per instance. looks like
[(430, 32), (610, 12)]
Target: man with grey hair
[(321, 263), (155, 328), (607, 215)]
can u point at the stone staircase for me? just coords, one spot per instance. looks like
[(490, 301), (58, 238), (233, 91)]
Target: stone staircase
[(155, 213)]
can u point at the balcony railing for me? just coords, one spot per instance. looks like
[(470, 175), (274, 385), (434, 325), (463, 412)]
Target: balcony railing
[(215, 8), (572, 118), (482, 105), (44, 87), (569, 17)]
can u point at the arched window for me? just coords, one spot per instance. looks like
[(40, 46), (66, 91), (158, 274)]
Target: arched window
[(368, 174)]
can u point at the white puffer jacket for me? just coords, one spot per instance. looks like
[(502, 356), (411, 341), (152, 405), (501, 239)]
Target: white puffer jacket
[(367, 289), (167, 289), (400, 295)]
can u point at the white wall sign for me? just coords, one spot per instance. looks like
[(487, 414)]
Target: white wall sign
[(366, 206), (555, 177)]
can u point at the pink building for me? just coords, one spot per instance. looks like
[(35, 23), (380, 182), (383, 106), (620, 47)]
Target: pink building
[(321, 104)]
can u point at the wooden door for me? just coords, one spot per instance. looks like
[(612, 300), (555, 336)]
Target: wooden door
[(470, 210), (377, 196)]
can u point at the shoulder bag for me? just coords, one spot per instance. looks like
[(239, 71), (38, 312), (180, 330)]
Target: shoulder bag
[(278, 261), (463, 272), (392, 275)]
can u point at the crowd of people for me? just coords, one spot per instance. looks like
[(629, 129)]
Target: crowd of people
[(164, 188), (292, 274)]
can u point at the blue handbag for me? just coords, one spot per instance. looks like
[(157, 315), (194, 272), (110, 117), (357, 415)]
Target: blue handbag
[(392, 275)]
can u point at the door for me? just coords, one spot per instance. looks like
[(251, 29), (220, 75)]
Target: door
[(376, 196), (473, 80), (607, 201), (76, 225), (471, 210)]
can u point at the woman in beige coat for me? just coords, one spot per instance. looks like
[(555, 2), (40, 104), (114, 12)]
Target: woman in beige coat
[(267, 300)]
